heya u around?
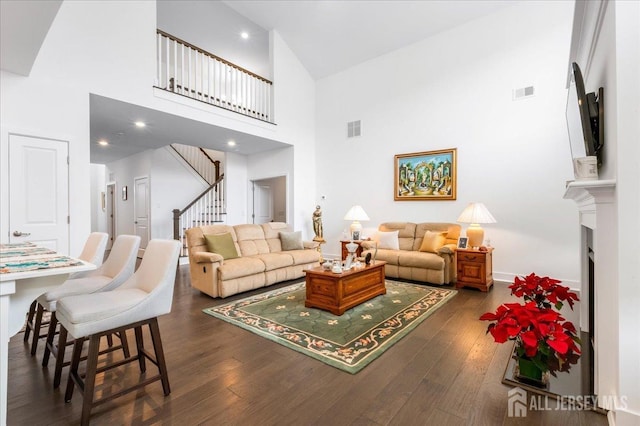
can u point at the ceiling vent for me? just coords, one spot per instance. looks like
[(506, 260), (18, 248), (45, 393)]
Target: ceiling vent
[(353, 129), (523, 92)]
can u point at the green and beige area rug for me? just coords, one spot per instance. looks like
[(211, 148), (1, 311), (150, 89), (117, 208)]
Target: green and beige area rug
[(348, 342)]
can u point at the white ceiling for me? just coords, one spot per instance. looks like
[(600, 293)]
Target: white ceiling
[(331, 36), (327, 37)]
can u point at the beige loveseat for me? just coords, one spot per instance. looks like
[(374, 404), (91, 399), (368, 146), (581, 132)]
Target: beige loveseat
[(261, 260), (434, 265)]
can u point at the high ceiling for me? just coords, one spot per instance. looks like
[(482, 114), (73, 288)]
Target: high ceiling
[(331, 36), (327, 37)]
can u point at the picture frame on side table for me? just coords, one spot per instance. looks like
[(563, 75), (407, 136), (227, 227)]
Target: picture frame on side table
[(355, 235), (463, 243), (424, 176)]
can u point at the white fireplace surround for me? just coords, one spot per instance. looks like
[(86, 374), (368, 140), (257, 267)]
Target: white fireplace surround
[(596, 200)]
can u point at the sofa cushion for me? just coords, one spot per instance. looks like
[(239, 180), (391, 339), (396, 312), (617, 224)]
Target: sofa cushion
[(417, 259), (251, 240), (301, 257), (387, 240), (275, 260), (240, 267), (272, 234), (406, 233), (221, 244), (291, 240), (389, 256), (432, 241)]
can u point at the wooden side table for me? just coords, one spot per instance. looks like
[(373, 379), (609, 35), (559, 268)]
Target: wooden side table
[(344, 248), (475, 268)]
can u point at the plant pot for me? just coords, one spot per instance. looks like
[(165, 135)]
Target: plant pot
[(526, 371)]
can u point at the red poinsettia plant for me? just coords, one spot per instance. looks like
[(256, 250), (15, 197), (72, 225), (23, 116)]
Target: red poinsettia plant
[(542, 335)]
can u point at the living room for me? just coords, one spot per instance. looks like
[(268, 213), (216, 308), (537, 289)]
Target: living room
[(452, 90)]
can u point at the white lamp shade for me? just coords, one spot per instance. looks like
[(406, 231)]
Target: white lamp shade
[(356, 213), (476, 213)]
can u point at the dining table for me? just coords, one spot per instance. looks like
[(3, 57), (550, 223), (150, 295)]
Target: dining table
[(27, 270)]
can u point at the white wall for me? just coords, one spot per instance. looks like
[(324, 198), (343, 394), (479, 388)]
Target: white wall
[(628, 188), (454, 90), (613, 62), (295, 113)]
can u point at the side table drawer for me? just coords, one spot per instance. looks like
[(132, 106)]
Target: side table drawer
[(471, 257)]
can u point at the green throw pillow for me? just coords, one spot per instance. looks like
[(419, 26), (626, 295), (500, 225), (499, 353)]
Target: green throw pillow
[(221, 244), (291, 240)]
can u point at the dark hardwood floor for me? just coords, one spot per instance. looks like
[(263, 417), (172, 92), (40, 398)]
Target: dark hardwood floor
[(445, 372)]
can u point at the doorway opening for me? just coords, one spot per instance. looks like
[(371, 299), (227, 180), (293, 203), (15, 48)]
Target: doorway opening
[(269, 200)]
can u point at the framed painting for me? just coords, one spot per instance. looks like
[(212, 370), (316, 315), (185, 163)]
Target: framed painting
[(428, 175)]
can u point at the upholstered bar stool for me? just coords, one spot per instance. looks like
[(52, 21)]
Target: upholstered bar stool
[(118, 267), (92, 252), (136, 303)]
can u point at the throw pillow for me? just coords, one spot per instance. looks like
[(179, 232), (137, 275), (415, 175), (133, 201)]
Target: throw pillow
[(432, 241), (388, 240), (221, 244), (291, 240)]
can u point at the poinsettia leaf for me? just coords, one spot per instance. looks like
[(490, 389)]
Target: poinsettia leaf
[(558, 305), (558, 345)]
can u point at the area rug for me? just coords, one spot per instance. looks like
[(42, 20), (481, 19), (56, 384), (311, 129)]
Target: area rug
[(348, 342)]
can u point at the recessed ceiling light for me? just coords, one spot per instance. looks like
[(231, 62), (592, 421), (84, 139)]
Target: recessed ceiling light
[(103, 142), (244, 35), (140, 124), (231, 143)]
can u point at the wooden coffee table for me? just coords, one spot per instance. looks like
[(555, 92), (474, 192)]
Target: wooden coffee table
[(338, 292)]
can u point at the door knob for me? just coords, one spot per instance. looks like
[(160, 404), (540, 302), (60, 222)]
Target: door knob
[(21, 234)]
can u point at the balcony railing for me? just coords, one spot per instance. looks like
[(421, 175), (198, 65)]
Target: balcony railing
[(187, 70)]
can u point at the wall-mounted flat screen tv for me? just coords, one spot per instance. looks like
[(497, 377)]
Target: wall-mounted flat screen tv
[(585, 118)]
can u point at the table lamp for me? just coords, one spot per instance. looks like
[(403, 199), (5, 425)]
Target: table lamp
[(474, 215), (356, 214)]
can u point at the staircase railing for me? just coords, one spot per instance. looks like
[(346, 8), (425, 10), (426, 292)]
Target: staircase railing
[(200, 161), (187, 70), (206, 209)]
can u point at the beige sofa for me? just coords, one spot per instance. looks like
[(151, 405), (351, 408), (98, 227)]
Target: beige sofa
[(260, 262), (436, 266)]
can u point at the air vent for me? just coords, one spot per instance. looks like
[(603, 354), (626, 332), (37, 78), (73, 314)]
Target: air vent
[(353, 129), (523, 92)]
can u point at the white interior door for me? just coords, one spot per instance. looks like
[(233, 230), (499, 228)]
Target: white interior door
[(39, 192), (262, 203), (141, 209), (111, 213)]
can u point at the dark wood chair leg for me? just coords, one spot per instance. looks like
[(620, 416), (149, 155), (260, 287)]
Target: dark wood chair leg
[(140, 348), (62, 344), (125, 343), (109, 340), (90, 378), (48, 346), (36, 328), (32, 312), (157, 346), (73, 368)]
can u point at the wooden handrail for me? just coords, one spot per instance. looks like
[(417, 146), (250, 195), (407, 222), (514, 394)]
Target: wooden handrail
[(180, 212), (204, 52)]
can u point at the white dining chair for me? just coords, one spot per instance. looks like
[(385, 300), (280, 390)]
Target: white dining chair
[(136, 303), (118, 267), (92, 252)]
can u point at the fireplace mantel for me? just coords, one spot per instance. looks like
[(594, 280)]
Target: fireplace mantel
[(587, 194)]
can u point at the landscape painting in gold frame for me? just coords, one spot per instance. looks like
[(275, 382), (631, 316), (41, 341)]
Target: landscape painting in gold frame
[(428, 175)]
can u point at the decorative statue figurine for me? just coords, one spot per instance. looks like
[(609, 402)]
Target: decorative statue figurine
[(317, 225)]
